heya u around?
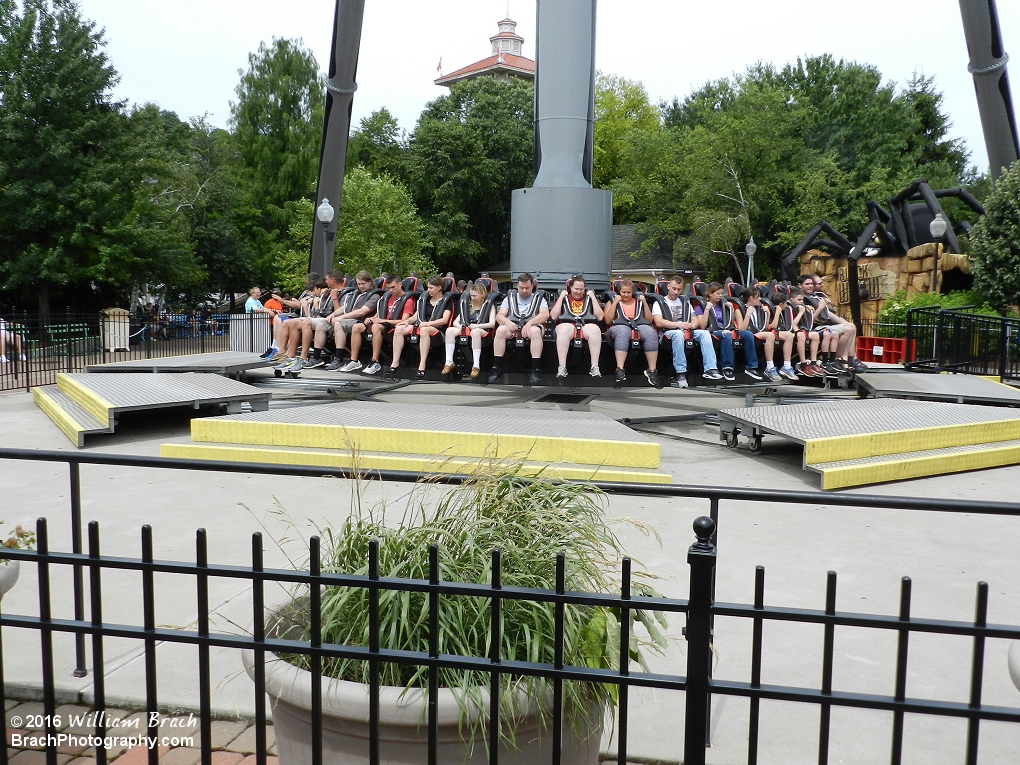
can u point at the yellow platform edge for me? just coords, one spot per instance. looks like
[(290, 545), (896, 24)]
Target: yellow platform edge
[(90, 401), (69, 426), (918, 467), (430, 443), (838, 448), (423, 464)]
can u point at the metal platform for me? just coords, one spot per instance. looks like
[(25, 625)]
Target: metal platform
[(852, 443), (429, 438), (226, 363), (84, 404), (961, 389)]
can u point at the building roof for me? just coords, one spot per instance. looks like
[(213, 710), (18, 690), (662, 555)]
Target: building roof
[(508, 63)]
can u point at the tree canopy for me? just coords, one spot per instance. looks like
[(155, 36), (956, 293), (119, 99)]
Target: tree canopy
[(995, 243)]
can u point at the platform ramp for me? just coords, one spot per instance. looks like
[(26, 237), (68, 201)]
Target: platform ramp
[(229, 363), (429, 439), (855, 443), (960, 389), (90, 403)]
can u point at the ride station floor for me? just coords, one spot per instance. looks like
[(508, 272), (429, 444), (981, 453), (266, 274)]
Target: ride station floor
[(946, 554)]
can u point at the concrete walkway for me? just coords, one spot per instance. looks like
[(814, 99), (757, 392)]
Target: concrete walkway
[(945, 554)]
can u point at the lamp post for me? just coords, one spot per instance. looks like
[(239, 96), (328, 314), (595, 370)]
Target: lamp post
[(937, 227), (325, 212), (750, 248)]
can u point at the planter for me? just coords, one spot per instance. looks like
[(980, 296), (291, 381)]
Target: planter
[(1013, 661), (9, 573), (403, 727)]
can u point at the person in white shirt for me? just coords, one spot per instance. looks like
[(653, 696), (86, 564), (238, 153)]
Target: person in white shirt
[(683, 319)]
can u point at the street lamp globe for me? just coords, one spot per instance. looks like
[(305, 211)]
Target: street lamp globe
[(938, 227), (325, 212), (750, 248)]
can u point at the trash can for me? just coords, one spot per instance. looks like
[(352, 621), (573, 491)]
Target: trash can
[(116, 329)]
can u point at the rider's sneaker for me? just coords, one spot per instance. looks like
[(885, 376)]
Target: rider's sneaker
[(653, 378), (772, 374), (314, 363), (269, 353), (351, 366), (679, 382), (856, 365), (595, 372), (728, 375), (373, 368), (711, 374), (561, 371), (285, 364), (754, 374), (788, 372)]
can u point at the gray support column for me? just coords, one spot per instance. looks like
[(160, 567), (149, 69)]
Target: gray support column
[(562, 226), (340, 87), (988, 65)]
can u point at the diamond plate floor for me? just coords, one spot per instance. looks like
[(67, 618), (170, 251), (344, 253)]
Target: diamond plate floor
[(961, 389), (225, 363)]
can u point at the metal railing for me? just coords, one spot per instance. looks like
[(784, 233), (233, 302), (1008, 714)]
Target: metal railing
[(958, 340), (700, 609), (39, 346)]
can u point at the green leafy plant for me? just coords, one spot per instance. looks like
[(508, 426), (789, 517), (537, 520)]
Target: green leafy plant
[(894, 312), (530, 520)]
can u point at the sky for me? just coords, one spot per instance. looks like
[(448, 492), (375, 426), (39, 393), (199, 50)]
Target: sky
[(185, 54)]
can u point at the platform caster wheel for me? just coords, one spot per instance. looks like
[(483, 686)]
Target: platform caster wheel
[(754, 442), (731, 439), (293, 375), (277, 373)]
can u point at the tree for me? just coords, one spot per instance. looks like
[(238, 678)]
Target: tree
[(378, 230), (621, 106), (379, 146), (995, 244), (469, 151), (78, 214), (277, 126)]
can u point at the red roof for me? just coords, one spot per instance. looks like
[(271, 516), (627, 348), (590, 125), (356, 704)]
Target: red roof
[(510, 63)]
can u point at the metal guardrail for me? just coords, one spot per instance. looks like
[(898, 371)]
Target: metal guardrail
[(958, 340), (700, 609), (70, 342)]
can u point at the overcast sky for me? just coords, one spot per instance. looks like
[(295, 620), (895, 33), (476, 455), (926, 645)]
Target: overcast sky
[(185, 54)]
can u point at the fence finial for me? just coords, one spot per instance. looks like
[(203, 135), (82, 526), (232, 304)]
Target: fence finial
[(704, 528)]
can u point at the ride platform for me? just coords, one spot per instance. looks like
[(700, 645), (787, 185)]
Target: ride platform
[(89, 403), (854, 443), (229, 363), (960, 389), (429, 439)]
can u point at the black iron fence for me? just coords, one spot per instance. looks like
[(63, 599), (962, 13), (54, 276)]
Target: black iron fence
[(36, 347), (959, 340), (699, 609)]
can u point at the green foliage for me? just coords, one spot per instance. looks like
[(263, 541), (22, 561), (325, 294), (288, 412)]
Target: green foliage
[(469, 151), (277, 126), (530, 522), (995, 244), (80, 180), (378, 145), (379, 228), (621, 107), (772, 151), (895, 309)]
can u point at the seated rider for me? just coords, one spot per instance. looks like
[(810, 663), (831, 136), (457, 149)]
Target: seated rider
[(719, 319), (396, 310), (354, 307), (430, 322), (683, 319), (523, 313), (841, 355), (477, 326), (756, 318), (801, 319), (577, 310), (626, 314)]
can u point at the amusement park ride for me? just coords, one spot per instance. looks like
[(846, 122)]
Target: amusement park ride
[(561, 226)]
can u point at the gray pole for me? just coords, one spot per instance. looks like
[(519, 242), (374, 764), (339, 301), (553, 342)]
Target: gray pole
[(988, 65), (340, 87), (562, 226)]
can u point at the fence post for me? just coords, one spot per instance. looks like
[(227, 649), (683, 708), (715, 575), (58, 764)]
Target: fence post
[(702, 559), (1003, 348)]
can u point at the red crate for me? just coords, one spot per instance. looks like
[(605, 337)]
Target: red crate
[(885, 350)]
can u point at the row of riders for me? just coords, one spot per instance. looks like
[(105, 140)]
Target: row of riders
[(778, 318)]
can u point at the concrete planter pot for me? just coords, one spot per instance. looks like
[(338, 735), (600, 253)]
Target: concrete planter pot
[(1013, 661), (9, 573), (403, 730)]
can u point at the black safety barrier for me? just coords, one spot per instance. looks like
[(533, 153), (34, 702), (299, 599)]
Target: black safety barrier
[(700, 609), (959, 340)]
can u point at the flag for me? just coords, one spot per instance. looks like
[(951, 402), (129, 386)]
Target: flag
[(439, 67)]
